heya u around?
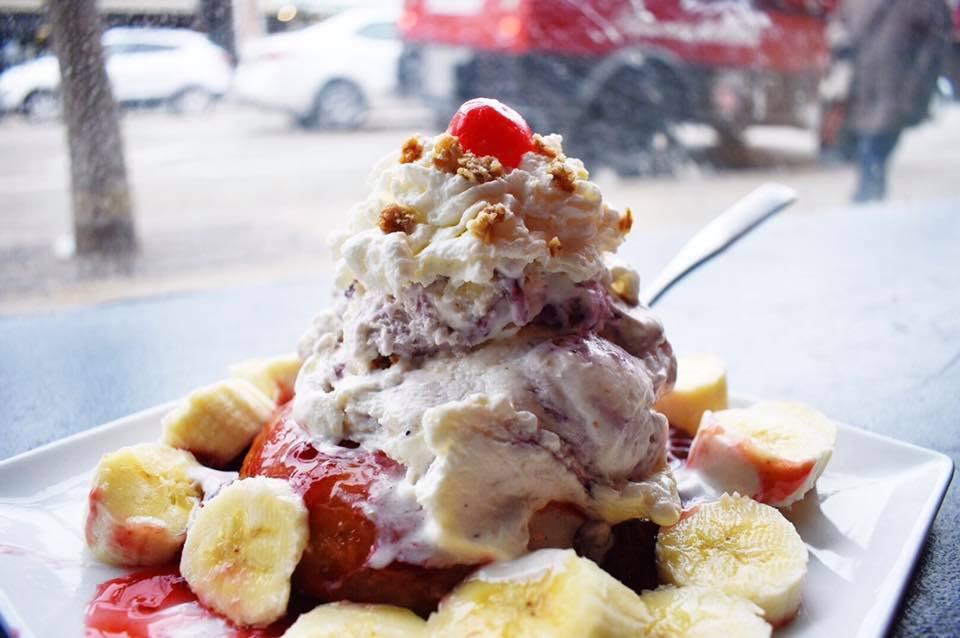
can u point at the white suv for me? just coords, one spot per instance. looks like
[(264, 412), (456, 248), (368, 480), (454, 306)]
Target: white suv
[(178, 67)]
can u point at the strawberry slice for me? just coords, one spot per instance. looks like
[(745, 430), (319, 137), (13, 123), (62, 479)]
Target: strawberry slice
[(490, 127)]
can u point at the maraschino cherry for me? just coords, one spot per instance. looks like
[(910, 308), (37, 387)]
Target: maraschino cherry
[(490, 127)]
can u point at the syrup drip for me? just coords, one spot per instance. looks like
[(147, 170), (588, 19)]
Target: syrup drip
[(678, 448), (159, 604)]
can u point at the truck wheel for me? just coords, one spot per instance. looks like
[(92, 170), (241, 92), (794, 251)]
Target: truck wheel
[(628, 127), (731, 150), (640, 145), (42, 105)]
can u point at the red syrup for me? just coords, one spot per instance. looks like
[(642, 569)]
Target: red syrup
[(678, 448), (158, 602)]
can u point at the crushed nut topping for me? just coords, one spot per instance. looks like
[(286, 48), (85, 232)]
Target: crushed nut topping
[(626, 222), (383, 362), (540, 146), (555, 246), (412, 150), (449, 157), (563, 176), (480, 169), (447, 153), (396, 218), (482, 225)]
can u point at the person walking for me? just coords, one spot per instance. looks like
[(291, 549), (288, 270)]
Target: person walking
[(897, 48)]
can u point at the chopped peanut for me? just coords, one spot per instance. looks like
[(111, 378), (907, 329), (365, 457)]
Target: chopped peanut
[(396, 218), (626, 222), (482, 225), (412, 150), (555, 246), (449, 156), (447, 153), (540, 146), (479, 169), (563, 176)]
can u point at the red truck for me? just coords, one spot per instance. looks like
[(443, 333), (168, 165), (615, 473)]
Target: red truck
[(614, 75)]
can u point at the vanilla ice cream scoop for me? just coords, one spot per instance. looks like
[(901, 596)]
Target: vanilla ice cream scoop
[(491, 435)]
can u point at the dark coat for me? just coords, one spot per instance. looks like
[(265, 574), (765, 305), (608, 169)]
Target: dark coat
[(898, 49)]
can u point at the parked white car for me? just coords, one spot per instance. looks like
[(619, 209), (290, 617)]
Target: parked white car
[(178, 67), (327, 75)]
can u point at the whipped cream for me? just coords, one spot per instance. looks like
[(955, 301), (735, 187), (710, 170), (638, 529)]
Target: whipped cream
[(469, 234)]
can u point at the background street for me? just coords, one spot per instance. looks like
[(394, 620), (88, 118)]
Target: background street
[(237, 197)]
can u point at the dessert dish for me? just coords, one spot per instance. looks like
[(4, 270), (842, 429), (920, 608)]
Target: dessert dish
[(466, 436)]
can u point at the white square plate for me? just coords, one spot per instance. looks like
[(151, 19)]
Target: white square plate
[(864, 526)]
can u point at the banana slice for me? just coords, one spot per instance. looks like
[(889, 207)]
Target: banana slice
[(242, 548), (701, 385), (274, 376), (773, 452), (700, 612), (354, 620), (549, 592), (219, 421), (740, 546), (624, 281), (140, 502)]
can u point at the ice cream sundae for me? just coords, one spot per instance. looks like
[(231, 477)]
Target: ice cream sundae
[(481, 393)]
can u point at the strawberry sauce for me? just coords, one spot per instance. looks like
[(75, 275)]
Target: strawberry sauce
[(159, 602), (678, 448)]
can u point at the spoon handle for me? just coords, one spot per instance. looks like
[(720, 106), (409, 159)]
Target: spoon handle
[(719, 234)]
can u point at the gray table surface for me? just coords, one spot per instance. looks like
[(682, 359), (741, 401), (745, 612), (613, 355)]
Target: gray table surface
[(854, 311)]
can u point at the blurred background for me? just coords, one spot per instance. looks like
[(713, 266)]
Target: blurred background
[(247, 127)]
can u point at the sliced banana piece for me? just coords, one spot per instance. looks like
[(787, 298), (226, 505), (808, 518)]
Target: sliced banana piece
[(274, 376), (354, 620), (701, 612), (624, 281), (139, 504), (701, 385), (773, 452), (219, 421), (242, 547), (549, 592), (740, 546)]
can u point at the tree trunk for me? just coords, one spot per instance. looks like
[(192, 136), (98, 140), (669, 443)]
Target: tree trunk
[(102, 208)]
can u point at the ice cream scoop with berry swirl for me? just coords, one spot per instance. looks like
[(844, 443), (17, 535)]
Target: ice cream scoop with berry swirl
[(484, 383)]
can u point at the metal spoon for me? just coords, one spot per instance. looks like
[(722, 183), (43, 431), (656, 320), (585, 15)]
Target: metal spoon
[(732, 224)]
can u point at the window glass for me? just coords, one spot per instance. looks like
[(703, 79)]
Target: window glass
[(129, 48), (150, 48), (379, 30), (240, 158)]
